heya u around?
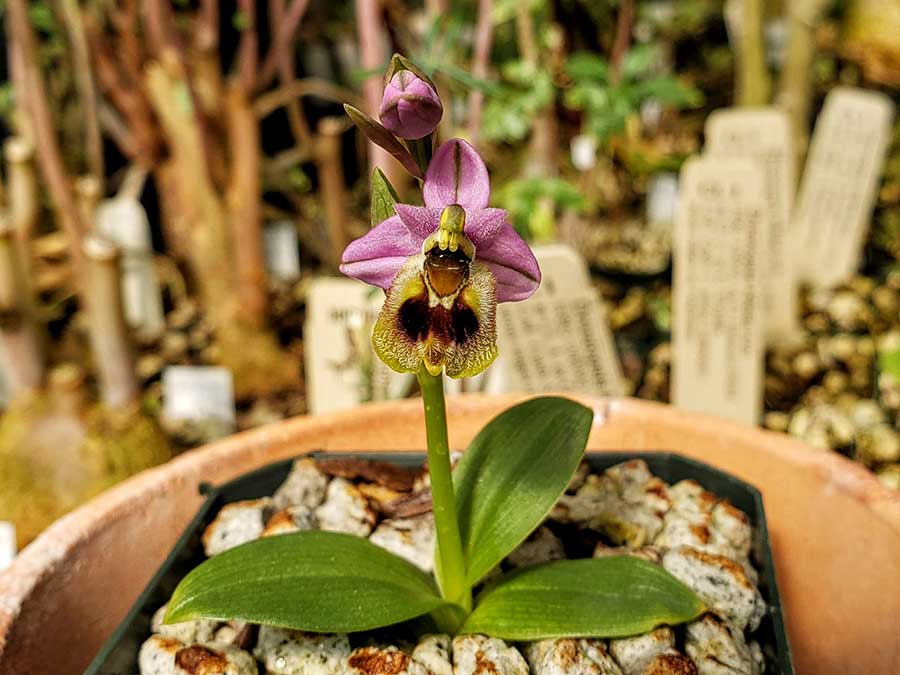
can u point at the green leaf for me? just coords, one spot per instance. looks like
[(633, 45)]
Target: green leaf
[(639, 61), (313, 581), (600, 597), (376, 133), (588, 66), (383, 198), (512, 474)]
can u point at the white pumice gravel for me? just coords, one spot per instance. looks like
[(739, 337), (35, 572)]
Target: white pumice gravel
[(651, 554), (569, 656), (634, 654), (433, 653), (345, 509), (236, 524), (720, 582), (410, 538), (542, 546), (482, 655), (719, 648), (627, 503), (289, 652), (701, 520), (671, 663), (201, 630), (157, 655), (304, 486), (214, 658), (291, 519), (162, 655)]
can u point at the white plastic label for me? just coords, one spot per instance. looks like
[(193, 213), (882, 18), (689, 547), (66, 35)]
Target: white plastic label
[(717, 290), (197, 393), (840, 183)]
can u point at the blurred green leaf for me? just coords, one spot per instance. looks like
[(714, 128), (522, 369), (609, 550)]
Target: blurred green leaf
[(588, 66), (605, 597)]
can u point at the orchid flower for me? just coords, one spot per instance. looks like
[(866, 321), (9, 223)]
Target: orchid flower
[(444, 266)]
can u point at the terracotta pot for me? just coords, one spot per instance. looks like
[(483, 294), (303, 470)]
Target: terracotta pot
[(835, 529)]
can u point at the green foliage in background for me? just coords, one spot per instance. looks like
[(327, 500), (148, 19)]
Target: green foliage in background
[(608, 101)]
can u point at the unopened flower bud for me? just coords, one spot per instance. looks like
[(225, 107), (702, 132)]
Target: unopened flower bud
[(410, 107)]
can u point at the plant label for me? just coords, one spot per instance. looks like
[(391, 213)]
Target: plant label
[(763, 135), (124, 222), (7, 544), (282, 250), (717, 288), (342, 369), (558, 339), (584, 152), (662, 200), (840, 183), (198, 394)]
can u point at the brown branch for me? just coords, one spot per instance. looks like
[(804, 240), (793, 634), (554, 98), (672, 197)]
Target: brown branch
[(244, 206), (87, 89), (484, 33), (281, 43), (622, 39), (113, 355), (286, 75), (331, 182), (121, 83), (46, 143), (269, 102), (369, 30), (247, 57)]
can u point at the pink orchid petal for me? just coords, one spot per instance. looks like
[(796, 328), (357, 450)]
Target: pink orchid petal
[(377, 256), (456, 175), (482, 225), (419, 220), (512, 263)]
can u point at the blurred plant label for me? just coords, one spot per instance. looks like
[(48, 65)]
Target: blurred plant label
[(7, 544), (840, 183), (282, 250), (763, 135), (584, 152), (342, 369), (123, 221), (558, 339), (717, 288), (662, 200), (198, 394)]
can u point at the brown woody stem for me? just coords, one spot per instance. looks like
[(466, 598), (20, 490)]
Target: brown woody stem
[(244, 206), (331, 180), (21, 346), (113, 355)]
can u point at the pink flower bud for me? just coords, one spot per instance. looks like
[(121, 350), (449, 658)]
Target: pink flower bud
[(410, 107)]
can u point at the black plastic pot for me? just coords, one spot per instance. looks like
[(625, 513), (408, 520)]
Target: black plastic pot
[(119, 654)]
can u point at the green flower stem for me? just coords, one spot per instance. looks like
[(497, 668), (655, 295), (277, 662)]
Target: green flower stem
[(451, 564)]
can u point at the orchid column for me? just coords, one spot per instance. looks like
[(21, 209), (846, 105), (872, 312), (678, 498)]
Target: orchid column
[(444, 267)]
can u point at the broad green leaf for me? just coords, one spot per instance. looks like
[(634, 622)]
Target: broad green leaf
[(588, 66), (639, 61), (376, 133), (383, 198), (600, 597), (313, 581), (512, 474)]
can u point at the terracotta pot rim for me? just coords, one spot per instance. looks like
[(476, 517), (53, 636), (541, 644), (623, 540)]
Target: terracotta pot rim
[(57, 542)]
